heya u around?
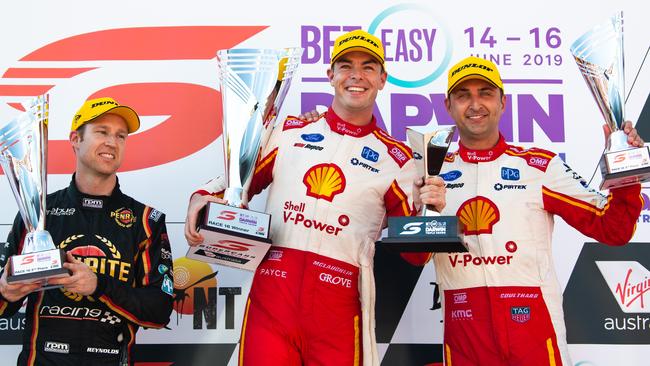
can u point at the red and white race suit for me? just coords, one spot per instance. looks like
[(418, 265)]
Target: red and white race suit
[(502, 301), (331, 186)]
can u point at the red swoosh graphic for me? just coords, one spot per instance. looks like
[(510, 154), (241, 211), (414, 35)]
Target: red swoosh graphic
[(194, 110), (194, 122), (147, 43)]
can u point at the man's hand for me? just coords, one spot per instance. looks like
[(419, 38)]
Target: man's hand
[(16, 291), (83, 280), (431, 191), (311, 116), (197, 202), (633, 137)]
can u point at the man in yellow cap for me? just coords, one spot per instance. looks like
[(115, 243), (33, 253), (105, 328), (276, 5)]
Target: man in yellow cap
[(118, 255), (331, 184), (502, 301)]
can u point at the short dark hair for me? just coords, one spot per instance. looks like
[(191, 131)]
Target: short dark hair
[(81, 130)]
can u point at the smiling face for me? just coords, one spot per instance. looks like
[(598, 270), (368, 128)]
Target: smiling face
[(356, 77), (99, 146), (476, 106)]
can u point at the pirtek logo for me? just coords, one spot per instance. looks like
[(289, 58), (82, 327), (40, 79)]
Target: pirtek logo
[(629, 282)]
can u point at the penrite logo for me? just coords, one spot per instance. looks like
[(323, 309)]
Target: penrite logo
[(606, 298), (86, 63)]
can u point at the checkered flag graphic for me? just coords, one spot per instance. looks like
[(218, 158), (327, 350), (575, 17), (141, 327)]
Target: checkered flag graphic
[(110, 318)]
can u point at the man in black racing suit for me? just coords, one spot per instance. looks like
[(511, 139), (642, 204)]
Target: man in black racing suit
[(118, 255)]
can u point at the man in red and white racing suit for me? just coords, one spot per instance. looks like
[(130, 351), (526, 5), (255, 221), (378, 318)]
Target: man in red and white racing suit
[(331, 183), (502, 301)]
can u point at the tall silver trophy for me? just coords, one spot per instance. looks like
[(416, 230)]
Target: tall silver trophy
[(23, 156), (254, 84), (599, 55), (428, 232)]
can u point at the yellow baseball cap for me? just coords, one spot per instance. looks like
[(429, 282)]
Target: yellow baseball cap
[(473, 68), (358, 40), (94, 108)]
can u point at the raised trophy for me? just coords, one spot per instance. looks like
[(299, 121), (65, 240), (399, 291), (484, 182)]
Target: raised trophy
[(599, 55), (429, 232), (254, 84), (23, 156)]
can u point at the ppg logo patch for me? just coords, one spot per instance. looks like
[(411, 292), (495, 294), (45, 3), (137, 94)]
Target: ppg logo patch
[(520, 314), (509, 174), (370, 154), (312, 137)]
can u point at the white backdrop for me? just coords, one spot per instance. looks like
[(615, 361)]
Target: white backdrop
[(157, 57)]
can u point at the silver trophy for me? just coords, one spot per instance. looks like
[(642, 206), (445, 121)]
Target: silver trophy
[(23, 156), (429, 232), (254, 84), (599, 55)]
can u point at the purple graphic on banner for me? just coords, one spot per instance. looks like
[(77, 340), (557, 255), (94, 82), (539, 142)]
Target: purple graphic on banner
[(428, 108)]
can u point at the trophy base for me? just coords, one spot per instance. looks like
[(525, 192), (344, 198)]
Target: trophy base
[(233, 237), (625, 168), (32, 267), (423, 234), (437, 245)]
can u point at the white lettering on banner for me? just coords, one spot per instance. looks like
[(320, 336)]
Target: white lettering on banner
[(273, 272), (335, 280), (629, 282), (467, 259), (628, 323)]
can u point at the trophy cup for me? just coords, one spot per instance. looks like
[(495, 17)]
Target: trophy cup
[(254, 84), (599, 55), (428, 232), (23, 156)]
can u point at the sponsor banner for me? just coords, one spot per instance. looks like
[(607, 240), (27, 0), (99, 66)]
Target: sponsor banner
[(607, 299)]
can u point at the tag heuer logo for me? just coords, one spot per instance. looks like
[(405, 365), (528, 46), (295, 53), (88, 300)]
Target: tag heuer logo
[(92, 203), (57, 347), (520, 314)]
